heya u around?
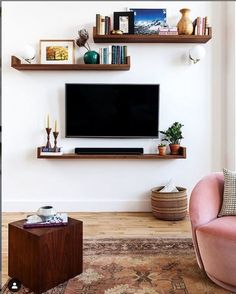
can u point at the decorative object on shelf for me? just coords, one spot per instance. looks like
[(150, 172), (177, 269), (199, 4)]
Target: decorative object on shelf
[(169, 205), (124, 21), (185, 25), (197, 53), (28, 53), (148, 21), (55, 134), (83, 39), (90, 57), (162, 149), (116, 32), (57, 51), (48, 144), (173, 135), (48, 130)]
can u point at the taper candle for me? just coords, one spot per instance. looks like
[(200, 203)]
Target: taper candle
[(55, 125), (48, 122)]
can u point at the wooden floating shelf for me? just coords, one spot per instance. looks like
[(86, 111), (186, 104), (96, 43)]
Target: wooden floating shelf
[(134, 38), (181, 155), (16, 63)]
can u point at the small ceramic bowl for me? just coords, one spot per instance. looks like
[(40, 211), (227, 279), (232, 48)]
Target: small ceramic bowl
[(46, 212)]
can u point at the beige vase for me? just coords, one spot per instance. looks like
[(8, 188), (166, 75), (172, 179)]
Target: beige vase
[(185, 25)]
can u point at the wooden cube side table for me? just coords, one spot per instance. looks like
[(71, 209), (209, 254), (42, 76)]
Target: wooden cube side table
[(42, 258)]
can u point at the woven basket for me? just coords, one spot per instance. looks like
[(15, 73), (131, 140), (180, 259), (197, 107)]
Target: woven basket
[(169, 205)]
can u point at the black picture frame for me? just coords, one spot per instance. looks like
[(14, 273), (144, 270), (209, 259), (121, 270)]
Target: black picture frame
[(127, 25)]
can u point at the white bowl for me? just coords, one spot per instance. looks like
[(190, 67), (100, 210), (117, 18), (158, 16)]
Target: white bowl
[(46, 212)]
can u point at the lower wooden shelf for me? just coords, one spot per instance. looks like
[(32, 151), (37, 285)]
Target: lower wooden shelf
[(16, 63), (181, 155)]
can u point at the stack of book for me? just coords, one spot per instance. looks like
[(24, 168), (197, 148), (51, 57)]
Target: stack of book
[(51, 151), (113, 55), (35, 221), (201, 26), (103, 24), (168, 31)]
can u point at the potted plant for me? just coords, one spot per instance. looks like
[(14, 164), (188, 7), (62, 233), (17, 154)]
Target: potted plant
[(162, 149), (173, 135)]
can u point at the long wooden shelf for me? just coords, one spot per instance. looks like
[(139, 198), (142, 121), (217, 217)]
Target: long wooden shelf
[(134, 38), (16, 63), (181, 155)]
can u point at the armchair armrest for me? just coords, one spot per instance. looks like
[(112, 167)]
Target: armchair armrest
[(206, 199), (204, 206)]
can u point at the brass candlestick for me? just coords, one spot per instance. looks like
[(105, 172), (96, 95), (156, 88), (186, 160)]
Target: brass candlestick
[(48, 145), (55, 134)]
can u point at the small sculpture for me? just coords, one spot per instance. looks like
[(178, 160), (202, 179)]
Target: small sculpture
[(28, 53), (90, 57), (83, 38)]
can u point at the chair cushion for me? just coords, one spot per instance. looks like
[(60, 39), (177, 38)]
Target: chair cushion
[(217, 246), (229, 197)]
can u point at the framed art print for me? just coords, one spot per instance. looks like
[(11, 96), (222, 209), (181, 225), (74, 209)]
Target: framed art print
[(57, 51), (124, 21), (148, 21)]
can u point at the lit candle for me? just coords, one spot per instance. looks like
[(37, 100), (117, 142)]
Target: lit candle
[(55, 125)]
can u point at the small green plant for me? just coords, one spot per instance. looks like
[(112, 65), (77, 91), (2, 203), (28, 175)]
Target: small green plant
[(173, 134), (162, 145)]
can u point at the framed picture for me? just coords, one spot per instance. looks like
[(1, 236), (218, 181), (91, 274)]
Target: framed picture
[(148, 21), (57, 51), (124, 21)]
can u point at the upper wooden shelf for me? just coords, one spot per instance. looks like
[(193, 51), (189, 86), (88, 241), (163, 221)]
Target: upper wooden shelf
[(134, 38), (181, 155), (16, 63)]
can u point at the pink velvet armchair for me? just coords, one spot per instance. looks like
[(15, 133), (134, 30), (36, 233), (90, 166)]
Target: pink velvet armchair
[(214, 237)]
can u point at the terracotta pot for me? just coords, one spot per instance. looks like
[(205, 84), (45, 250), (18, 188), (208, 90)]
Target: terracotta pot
[(162, 150), (185, 25), (174, 149)]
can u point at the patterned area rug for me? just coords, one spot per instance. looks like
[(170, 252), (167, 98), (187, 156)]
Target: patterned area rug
[(138, 266)]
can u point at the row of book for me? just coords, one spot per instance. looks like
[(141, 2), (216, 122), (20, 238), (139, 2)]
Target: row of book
[(168, 31), (113, 55), (51, 151), (103, 24), (201, 26), (36, 221)]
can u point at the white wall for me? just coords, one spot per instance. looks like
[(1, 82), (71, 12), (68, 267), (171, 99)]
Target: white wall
[(191, 94)]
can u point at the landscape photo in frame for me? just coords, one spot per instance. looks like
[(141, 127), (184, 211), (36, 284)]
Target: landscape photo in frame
[(148, 21), (57, 51)]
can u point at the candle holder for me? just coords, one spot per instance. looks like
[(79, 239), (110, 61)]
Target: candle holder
[(48, 145), (55, 134)]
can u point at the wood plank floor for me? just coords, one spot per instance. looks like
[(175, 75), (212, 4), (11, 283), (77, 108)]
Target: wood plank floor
[(109, 225)]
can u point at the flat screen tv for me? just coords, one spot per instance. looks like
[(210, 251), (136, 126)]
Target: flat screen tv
[(112, 110)]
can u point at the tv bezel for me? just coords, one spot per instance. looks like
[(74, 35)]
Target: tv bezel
[(114, 137)]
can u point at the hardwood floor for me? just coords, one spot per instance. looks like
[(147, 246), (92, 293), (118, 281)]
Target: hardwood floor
[(109, 225)]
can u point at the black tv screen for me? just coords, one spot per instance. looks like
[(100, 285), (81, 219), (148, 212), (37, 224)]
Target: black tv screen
[(112, 110)]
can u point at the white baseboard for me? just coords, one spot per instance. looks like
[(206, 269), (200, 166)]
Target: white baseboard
[(78, 206)]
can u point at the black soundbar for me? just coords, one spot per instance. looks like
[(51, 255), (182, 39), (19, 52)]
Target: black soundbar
[(109, 150)]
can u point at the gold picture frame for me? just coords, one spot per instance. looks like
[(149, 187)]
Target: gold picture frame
[(57, 51)]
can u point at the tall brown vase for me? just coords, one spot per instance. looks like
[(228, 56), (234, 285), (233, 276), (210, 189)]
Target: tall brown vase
[(185, 25)]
